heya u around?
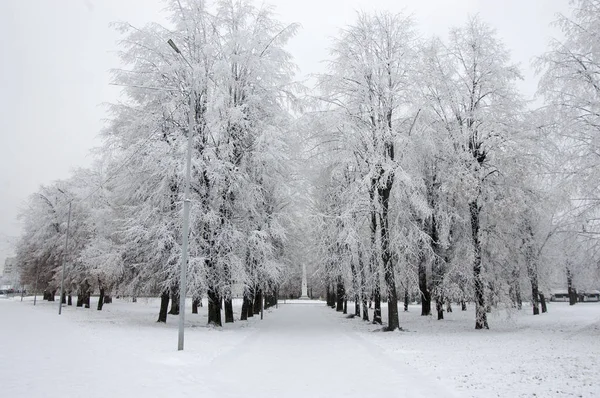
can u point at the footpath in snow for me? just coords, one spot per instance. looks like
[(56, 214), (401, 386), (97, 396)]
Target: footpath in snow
[(298, 350)]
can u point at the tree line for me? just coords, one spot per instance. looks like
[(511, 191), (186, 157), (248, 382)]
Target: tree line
[(415, 166)]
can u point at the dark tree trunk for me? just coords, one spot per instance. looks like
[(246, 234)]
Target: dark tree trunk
[(373, 263), (86, 301), (228, 309), (424, 289), (195, 302), (439, 306), (543, 303), (448, 306), (245, 305), (356, 306), (340, 295), (52, 295), (463, 305), (101, 299), (480, 314), (571, 290), (377, 308), (535, 296), (69, 299), (107, 299), (63, 297), (164, 306), (101, 296), (79, 299), (214, 308), (258, 297), (174, 302), (345, 306), (406, 299)]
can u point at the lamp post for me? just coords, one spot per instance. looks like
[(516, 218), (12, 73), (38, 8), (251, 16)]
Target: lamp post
[(186, 202), (62, 279)]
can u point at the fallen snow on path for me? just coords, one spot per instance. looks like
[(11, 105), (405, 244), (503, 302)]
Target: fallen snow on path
[(298, 350)]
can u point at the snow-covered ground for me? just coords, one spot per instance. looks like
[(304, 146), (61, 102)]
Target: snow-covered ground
[(298, 350)]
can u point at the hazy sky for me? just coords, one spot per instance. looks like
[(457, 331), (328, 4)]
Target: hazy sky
[(56, 57)]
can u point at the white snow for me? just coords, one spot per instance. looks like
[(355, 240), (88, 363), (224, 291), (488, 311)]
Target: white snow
[(299, 350)]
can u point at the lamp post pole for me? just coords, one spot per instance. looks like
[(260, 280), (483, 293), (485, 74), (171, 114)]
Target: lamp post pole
[(186, 202), (62, 279)]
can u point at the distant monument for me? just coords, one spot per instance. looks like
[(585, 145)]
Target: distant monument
[(304, 295)]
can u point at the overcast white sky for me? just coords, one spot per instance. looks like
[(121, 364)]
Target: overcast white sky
[(56, 57)]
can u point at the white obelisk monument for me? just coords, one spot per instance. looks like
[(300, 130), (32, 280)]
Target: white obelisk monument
[(304, 284)]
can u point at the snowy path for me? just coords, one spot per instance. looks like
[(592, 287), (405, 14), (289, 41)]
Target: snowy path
[(304, 350)]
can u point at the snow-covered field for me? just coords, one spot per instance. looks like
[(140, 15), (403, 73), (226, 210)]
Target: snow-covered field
[(298, 350)]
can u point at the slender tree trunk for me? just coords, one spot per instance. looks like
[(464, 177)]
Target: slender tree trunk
[(258, 297), (406, 299), (340, 295), (164, 306), (345, 306), (228, 310), (373, 262), (480, 314), (386, 256), (356, 306), (245, 304), (424, 289), (101, 299), (439, 306), (63, 297), (214, 308), (571, 289), (69, 299), (195, 301), (107, 299), (543, 303), (174, 301), (448, 306), (463, 305)]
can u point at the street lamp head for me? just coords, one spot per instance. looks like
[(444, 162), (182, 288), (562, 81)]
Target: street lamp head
[(173, 46)]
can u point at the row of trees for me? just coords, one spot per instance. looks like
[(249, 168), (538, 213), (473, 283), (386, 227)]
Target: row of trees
[(445, 182), (424, 171), (127, 210)]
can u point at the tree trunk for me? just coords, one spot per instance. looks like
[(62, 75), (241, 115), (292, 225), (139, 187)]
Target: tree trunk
[(424, 289), (214, 308), (101, 299), (439, 306), (463, 305), (345, 306), (535, 295), (406, 299), (245, 305), (79, 299), (480, 314), (228, 309), (69, 299), (386, 252), (356, 306), (107, 299), (258, 297), (164, 306), (448, 306), (340, 293), (174, 301), (195, 302), (63, 297), (52, 295), (543, 303), (365, 309), (377, 307), (570, 288), (373, 263)]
